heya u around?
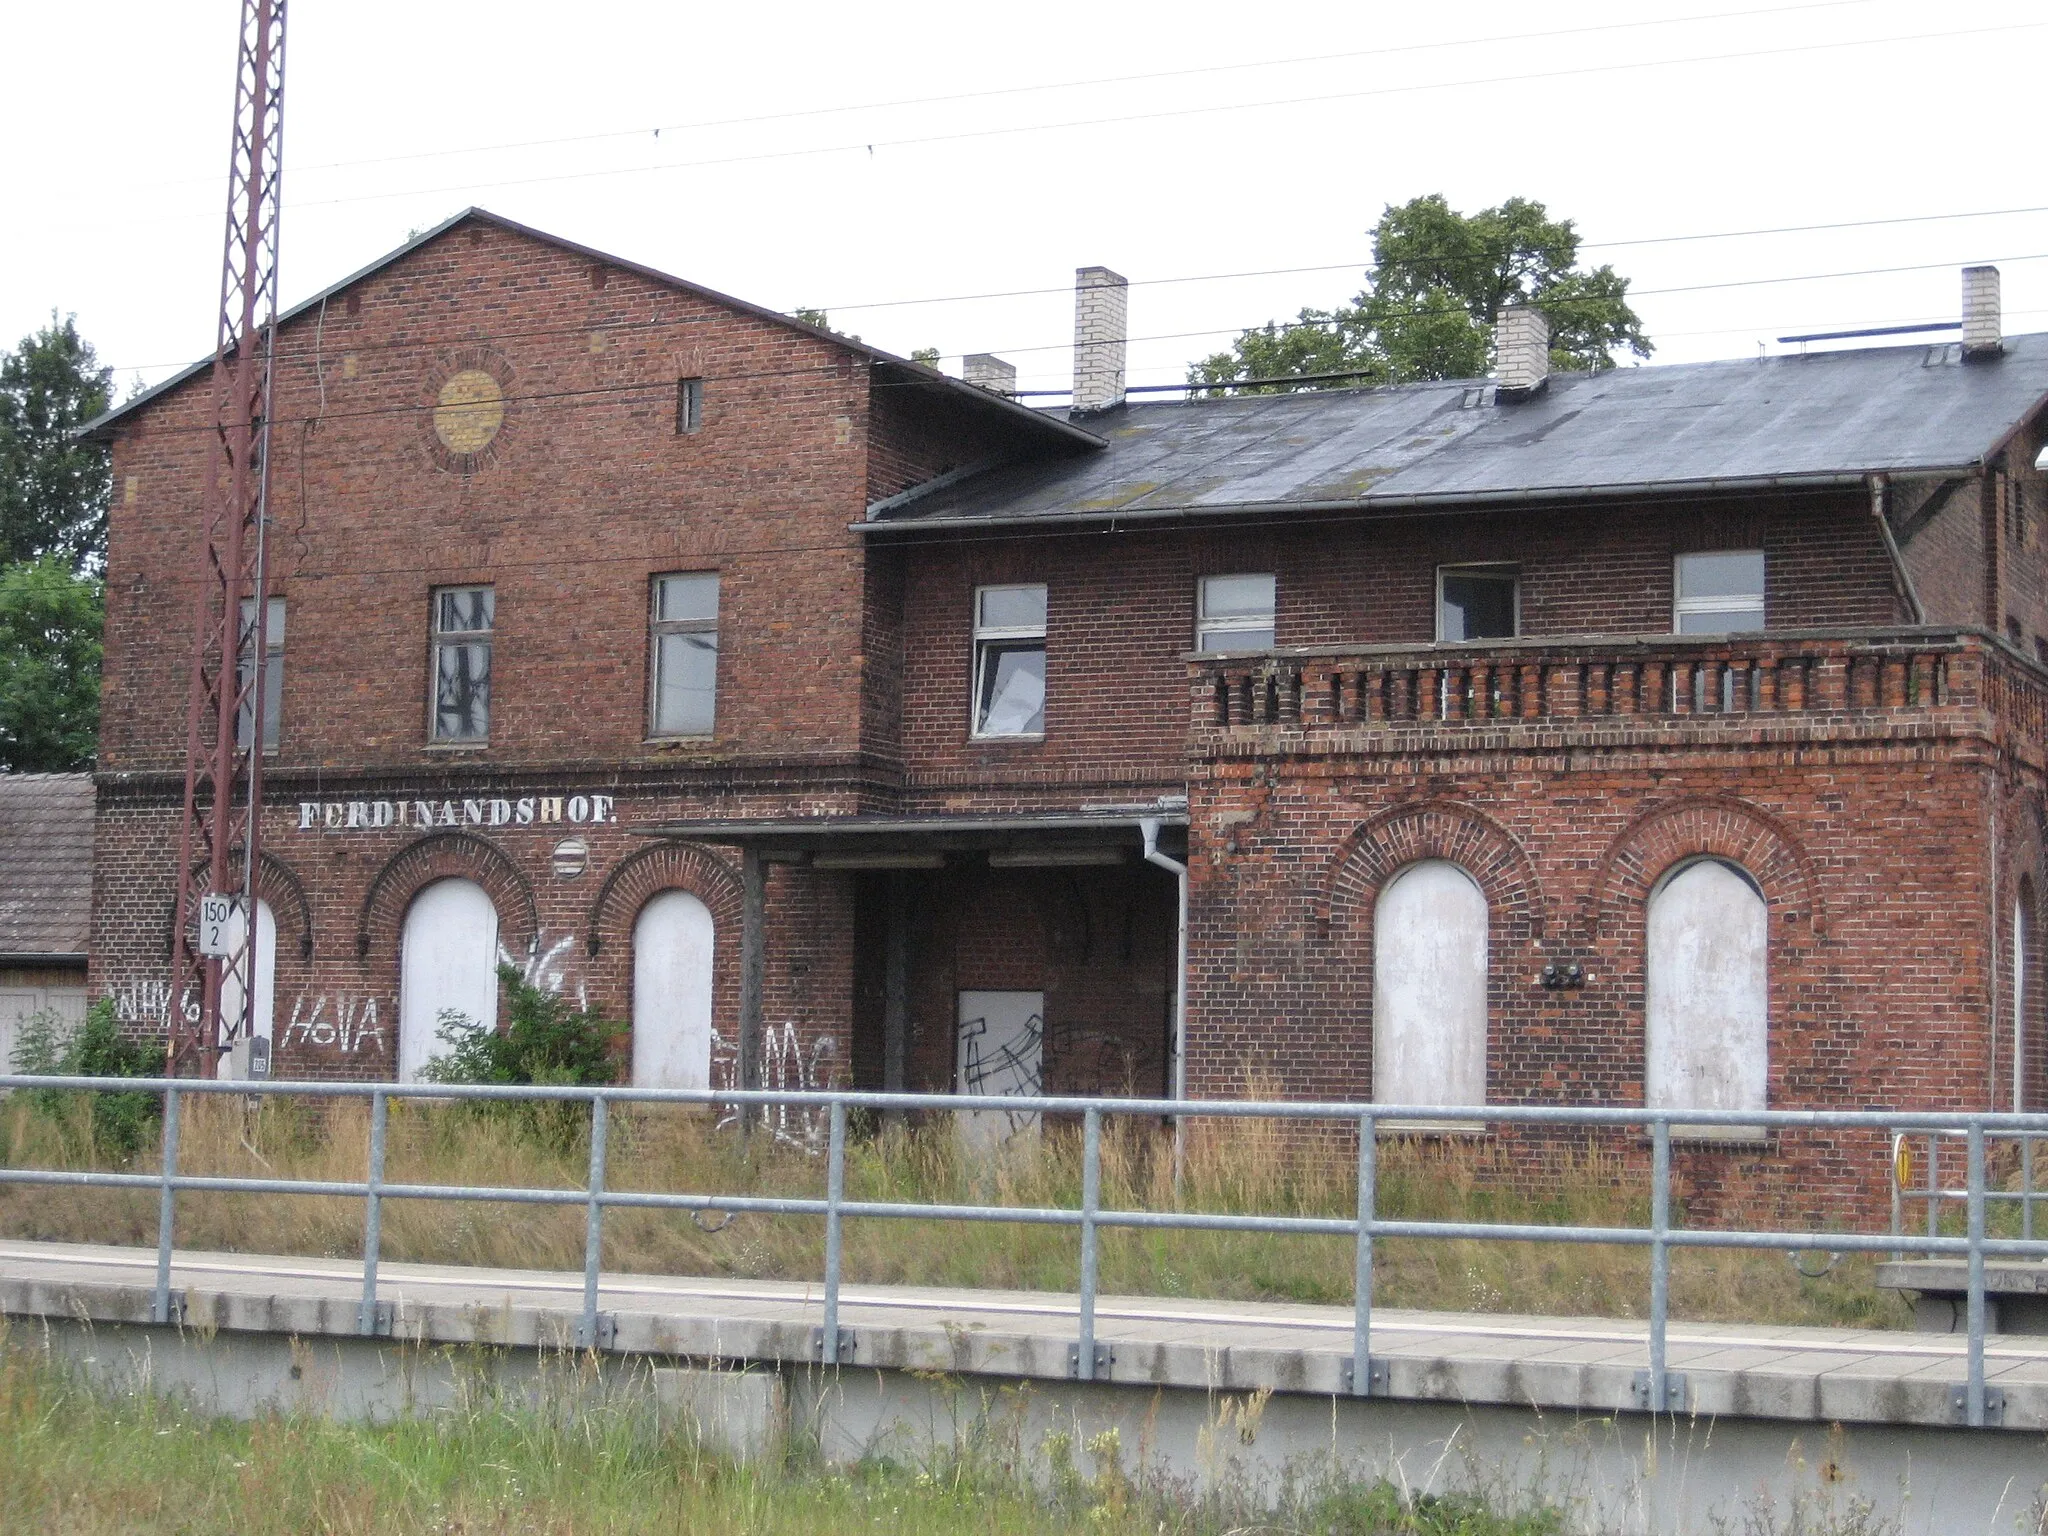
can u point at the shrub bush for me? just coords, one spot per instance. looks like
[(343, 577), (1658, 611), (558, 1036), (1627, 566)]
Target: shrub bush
[(114, 1123)]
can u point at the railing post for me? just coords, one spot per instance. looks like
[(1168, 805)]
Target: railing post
[(1361, 1293), (1660, 1258), (593, 1233), (1973, 1398), (2027, 1185), (373, 1216), (1091, 1201), (835, 1192), (160, 1304)]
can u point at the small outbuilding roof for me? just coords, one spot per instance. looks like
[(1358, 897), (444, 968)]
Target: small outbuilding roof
[(45, 867), (1823, 418)]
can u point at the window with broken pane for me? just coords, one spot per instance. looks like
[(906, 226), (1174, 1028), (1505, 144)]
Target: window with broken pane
[(1009, 661), (463, 622)]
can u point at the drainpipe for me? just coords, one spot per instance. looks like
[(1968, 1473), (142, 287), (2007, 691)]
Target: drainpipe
[(1177, 1082), (1880, 498)]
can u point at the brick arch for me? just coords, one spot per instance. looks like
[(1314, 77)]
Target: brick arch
[(1380, 848), (1710, 826), (438, 857), (278, 886), (667, 866)]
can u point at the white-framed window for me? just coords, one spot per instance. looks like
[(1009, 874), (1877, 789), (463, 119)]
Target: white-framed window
[(1718, 593), (684, 645), (1478, 602), (1235, 613), (273, 672), (1429, 988), (1009, 661), (1707, 1003), (464, 618), (689, 405)]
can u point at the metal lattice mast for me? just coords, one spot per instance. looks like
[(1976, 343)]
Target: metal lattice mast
[(218, 846)]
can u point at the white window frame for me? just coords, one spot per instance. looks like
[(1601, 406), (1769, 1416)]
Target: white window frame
[(657, 626), (1512, 574), (1207, 628), (1681, 605), (436, 638), (988, 635)]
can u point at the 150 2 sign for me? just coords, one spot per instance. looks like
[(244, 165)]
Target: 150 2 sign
[(496, 811)]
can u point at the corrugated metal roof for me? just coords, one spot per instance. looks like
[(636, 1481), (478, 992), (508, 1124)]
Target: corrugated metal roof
[(45, 863), (908, 372), (1825, 417)]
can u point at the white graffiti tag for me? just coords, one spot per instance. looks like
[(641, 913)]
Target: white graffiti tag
[(786, 1066), (353, 1024)]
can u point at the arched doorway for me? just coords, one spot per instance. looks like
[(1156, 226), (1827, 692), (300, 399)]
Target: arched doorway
[(1707, 1042), (1429, 988), (448, 962), (674, 943)]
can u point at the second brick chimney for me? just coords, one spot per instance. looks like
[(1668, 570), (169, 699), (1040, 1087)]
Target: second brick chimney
[(989, 372), (1983, 324), (1521, 348), (1101, 327)]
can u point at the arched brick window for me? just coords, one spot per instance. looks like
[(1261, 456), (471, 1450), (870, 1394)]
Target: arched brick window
[(1429, 987), (1708, 990), (674, 941), (448, 962)]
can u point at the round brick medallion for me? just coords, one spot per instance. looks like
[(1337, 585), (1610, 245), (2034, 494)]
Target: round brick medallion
[(468, 412)]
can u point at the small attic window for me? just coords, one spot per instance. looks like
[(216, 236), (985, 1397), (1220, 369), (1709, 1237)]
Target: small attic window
[(689, 405), (355, 304)]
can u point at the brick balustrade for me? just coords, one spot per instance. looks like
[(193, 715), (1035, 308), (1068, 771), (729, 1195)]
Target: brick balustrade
[(1491, 685)]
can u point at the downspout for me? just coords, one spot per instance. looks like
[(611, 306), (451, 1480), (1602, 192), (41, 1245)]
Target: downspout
[(1880, 498), (1177, 1081)]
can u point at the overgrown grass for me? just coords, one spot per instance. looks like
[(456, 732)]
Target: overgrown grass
[(79, 1462), (1234, 1166)]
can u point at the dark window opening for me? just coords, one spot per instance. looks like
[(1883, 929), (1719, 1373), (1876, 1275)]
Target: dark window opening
[(689, 405), (1476, 603)]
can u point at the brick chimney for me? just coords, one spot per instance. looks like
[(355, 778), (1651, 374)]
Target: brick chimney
[(1521, 347), (1101, 325), (1982, 321), (989, 372)]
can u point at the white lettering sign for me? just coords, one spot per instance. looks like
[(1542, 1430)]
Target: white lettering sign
[(425, 815)]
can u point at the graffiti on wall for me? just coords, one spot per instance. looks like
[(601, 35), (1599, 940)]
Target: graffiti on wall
[(351, 1024), (786, 1064), (144, 1004), (542, 967)]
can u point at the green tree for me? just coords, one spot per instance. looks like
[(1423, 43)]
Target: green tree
[(49, 666), (1438, 282), (53, 487)]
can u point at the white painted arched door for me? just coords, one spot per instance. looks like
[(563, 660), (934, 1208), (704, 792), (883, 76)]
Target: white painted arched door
[(673, 945), (263, 1016), (1708, 1024), (448, 961), (1429, 988)]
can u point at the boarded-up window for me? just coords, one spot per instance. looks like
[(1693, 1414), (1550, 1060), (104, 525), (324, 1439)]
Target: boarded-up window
[(672, 954), (262, 1018), (1429, 988), (1708, 1041), (448, 964)]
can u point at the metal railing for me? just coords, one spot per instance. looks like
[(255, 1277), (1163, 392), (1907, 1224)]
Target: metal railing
[(1925, 1185), (1657, 1388)]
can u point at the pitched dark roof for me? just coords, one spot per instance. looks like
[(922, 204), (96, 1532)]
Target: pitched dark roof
[(45, 864), (899, 370), (1826, 418)]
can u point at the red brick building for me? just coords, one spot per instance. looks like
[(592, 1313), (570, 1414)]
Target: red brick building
[(1554, 738)]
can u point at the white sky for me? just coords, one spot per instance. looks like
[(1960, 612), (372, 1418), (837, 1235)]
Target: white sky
[(400, 112)]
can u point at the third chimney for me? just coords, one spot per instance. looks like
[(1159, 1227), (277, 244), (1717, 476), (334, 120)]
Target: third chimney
[(1101, 323)]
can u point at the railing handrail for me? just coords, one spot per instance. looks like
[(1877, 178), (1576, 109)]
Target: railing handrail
[(1657, 1389)]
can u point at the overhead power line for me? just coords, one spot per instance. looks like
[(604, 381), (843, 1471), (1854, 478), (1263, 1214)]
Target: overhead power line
[(1212, 109), (655, 130)]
